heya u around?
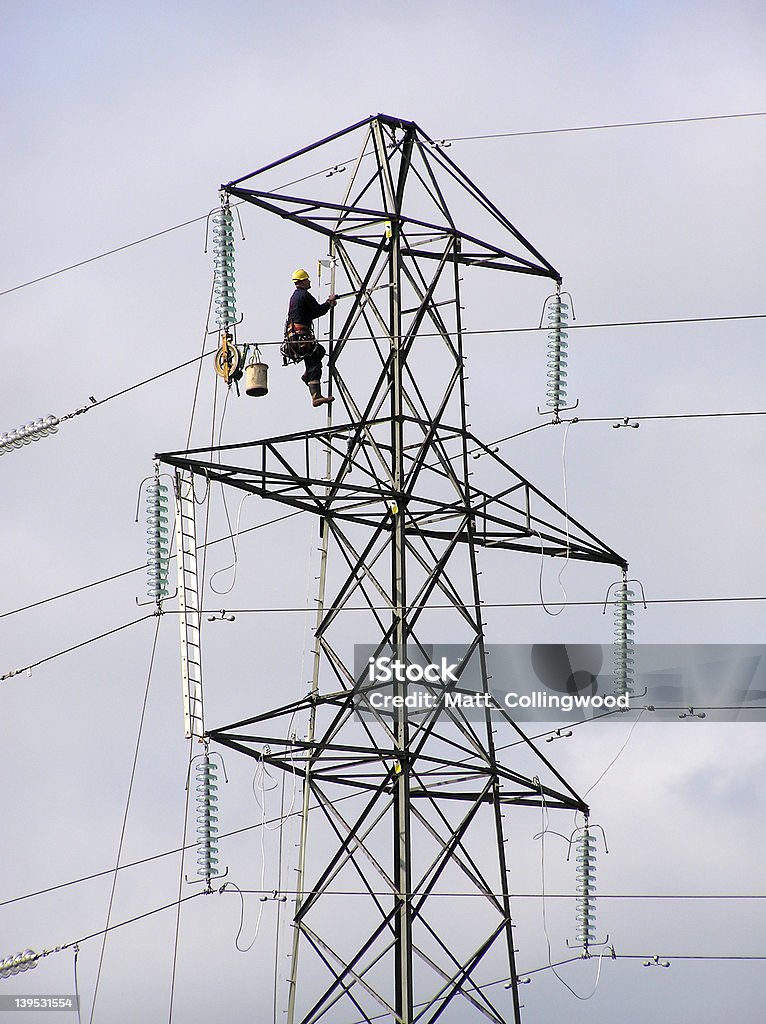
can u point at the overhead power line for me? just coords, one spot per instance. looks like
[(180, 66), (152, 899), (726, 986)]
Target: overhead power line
[(126, 811), (140, 862), (76, 647), (265, 822), (281, 818), (360, 608), (611, 954), (608, 954), (150, 380), (605, 127), (570, 327), (666, 416), (290, 515), (74, 590), (122, 924), (95, 403), (476, 452), (619, 421), (324, 170), (137, 568), (461, 894), (103, 255), (139, 241), (694, 956), (484, 605)]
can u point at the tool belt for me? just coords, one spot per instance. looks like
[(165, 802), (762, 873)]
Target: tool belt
[(299, 342)]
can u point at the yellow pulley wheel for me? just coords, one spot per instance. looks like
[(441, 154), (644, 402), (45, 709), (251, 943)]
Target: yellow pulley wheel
[(227, 361)]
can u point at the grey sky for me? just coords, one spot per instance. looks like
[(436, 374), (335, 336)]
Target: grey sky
[(119, 121)]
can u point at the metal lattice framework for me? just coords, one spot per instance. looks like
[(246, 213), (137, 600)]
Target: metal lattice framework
[(402, 520)]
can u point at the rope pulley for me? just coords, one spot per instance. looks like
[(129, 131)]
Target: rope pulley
[(228, 360)]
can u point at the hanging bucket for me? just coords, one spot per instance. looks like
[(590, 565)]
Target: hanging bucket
[(257, 379)]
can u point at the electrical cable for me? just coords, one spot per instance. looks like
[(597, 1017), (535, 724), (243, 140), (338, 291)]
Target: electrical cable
[(243, 949), (364, 608), (120, 924), (571, 327), (568, 547), (542, 603), (199, 367), (262, 804), (693, 956), (278, 822), (488, 604), (103, 255), (509, 330), (527, 895), (614, 759), (360, 608), (314, 174), (76, 984), (568, 727), (604, 127), (76, 647), (155, 856), (666, 416), (182, 851), (260, 773), (487, 984), (564, 963), (149, 380), (140, 241), (624, 419), (248, 828), (284, 816), (125, 814), (137, 568), (234, 538), (206, 527), (75, 590), (512, 330), (132, 864)]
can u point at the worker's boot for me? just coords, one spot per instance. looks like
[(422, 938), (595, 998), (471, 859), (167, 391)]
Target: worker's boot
[(315, 390)]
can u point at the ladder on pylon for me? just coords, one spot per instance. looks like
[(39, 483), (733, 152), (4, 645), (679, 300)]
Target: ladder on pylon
[(189, 605)]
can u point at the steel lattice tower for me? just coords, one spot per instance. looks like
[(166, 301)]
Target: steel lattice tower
[(402, 518)]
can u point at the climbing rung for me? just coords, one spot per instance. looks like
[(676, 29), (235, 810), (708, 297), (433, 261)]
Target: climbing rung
[(188, 600)]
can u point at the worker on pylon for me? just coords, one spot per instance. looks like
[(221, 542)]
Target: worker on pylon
[(300, 342)]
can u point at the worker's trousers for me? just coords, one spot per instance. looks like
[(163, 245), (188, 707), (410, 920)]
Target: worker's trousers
[(313, 363)]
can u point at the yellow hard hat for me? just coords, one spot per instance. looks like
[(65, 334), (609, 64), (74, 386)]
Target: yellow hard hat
[(300, 275)]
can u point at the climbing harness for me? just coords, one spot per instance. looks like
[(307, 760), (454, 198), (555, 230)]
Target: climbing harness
[(299, 342)]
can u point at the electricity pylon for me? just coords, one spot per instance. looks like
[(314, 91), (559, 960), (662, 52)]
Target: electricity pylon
[(402, 520)]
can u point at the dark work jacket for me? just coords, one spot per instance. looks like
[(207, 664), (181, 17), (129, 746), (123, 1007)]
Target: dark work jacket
[(304, 307)]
